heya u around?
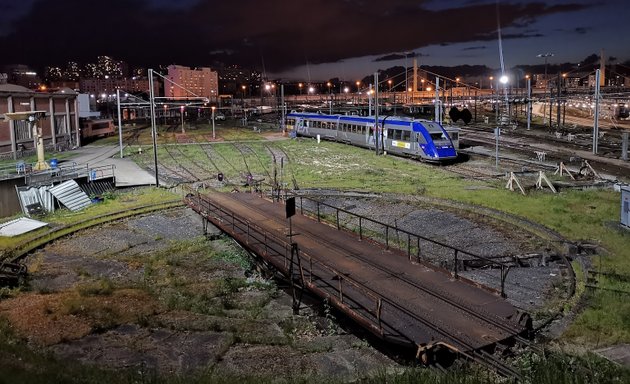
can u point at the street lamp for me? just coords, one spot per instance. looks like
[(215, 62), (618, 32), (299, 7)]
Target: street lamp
[(358, 86), (213, 136), (546, 55), (389, 83), (243, 88), (181, 110), (165, 107)]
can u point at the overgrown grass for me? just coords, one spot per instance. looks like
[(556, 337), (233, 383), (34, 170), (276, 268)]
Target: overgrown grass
[(199, 132)]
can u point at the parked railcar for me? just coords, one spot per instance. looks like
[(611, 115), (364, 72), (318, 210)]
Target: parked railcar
[(422, 139), (92, 129)]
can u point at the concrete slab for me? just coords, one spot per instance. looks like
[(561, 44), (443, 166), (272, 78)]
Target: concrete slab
[(619, 354), (20, 226), (128, 173)]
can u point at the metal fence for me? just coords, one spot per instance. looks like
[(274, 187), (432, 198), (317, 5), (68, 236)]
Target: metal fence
[(417, 247)]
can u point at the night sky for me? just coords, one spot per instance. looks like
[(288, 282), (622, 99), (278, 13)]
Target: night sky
[(310, 39)]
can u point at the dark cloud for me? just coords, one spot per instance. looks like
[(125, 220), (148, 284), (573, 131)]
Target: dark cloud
[(398, 56), (479, 47), (281, 33), (521, 35), (581, 30)]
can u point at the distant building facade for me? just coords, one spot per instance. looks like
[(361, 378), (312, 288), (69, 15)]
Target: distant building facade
[(232, 78), (22, 75), (108, 87), (203, 82), (59, 128)]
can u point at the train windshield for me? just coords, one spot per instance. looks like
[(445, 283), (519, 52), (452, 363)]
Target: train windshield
[(436, 136)]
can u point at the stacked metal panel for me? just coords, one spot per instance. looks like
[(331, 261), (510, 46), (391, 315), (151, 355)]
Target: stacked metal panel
[(71, 195)]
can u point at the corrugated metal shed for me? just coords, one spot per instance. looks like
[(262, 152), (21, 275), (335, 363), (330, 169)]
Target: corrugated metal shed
[(19, 226), (70, 195)]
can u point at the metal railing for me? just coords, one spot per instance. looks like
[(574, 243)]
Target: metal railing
[(414, 244), (67, 171)]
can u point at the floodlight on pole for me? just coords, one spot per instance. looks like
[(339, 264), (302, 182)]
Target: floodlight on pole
[(120, 142), (32, 117), (213, 135), (181, 112)]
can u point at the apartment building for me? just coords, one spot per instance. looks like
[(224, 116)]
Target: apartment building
[(191, 82)]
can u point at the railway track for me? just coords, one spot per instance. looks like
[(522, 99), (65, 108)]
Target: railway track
[(245, 149), (206, 174), (553, 151), (579, 142), (281, 156), (12, 268)]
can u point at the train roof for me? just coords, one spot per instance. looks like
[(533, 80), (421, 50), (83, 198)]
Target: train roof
[(388, 119)]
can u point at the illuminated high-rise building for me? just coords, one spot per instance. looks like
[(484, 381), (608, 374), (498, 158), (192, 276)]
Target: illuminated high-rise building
[(202, 82)]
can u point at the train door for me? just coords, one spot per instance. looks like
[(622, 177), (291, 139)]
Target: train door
[(369, 135), (301, 126), (385, 134)]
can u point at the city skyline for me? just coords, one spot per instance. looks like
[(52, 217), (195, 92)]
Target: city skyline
[(311, 40)]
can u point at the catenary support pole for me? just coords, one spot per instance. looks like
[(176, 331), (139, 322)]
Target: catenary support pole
[(596, 118), (438, 112), (153, 128), (529, 103), (120, 143)]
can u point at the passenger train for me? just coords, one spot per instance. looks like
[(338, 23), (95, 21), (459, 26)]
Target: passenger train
[(421, 139)]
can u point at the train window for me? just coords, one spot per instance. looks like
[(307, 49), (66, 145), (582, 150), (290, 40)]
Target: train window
[(437, 136), (454, 135), (405, 136)]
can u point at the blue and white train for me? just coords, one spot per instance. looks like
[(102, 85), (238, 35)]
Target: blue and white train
[(422, 139)]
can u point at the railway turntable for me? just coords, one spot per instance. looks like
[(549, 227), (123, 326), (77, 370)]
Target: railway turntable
[(412, 304)]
